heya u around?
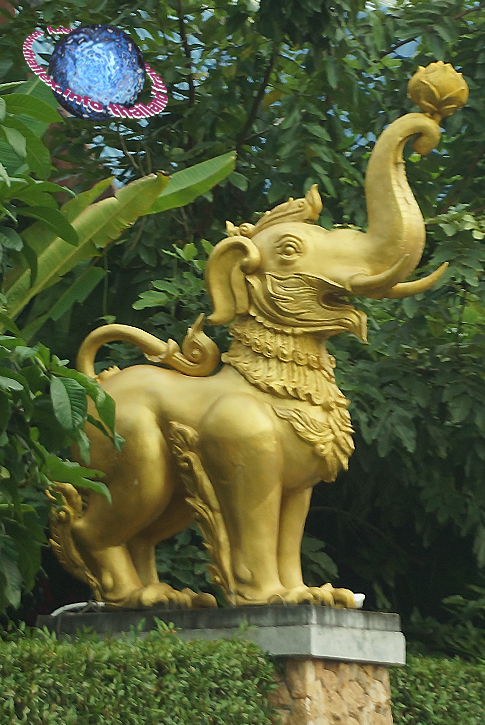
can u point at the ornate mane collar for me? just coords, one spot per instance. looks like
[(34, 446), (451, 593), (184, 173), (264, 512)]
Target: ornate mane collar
[(281, 362), (290, 365)]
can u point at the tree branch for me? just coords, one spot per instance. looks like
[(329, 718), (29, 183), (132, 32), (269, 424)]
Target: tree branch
[(134, 162), (393, 48), (257, 100), (470, 10), (430, 28)]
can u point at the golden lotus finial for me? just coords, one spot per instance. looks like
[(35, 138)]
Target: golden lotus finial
[(439, 90)]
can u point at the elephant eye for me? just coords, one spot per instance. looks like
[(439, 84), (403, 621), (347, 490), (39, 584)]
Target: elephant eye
[(289, 248)]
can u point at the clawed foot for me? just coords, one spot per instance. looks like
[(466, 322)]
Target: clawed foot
[(164, 594), (201, 600), (326, 595), (331, 597)]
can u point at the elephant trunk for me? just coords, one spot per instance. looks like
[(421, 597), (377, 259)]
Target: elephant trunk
[(396, 231)]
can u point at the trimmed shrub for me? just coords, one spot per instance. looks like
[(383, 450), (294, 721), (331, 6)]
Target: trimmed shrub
[(162, 680), (154, 680), (438, 691)]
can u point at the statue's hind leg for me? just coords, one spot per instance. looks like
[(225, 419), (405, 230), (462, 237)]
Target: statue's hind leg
[(177, 516), (141, 487)]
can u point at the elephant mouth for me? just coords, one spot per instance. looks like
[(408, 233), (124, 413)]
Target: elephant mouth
[(305, 302)]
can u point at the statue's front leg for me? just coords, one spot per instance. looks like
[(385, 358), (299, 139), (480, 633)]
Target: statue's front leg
[(294, 510), (241, 455)]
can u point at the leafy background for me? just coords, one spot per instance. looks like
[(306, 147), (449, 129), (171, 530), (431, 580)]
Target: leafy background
[(301, 97)]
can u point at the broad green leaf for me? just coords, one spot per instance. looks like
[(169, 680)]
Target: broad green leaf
[(18, 103), (460, 408), (77, 292), (12, 84), (170, 287), (105, 220), (16, 140), (9, 374), (10, 588), (35, 88), (8, 213), (10, 239), (8, 324), (69, 472), (10, 384), (318, 131), (115, 438), (188, 252), (332, 71), (84, 445), (53, 219), (10, 160), (31, 259), (150, 298), (185, 186), (36, 154), (69, 402), (74, 207), (3, 108), (48, 186), (28, 535), (4, 174), (105, 405), (38, 89), (238, 180), (35, 197), (96, 226)]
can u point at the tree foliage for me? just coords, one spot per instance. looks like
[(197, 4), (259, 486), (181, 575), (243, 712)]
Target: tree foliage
[(301, 96), (43, 403)]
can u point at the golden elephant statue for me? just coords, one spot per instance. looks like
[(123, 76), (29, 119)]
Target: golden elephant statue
[(240, 449)]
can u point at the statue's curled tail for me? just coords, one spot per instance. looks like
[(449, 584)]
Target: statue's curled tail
[(199, 355)]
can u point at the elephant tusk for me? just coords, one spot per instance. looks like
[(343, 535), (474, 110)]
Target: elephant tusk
[(366, 284), (406, 289)]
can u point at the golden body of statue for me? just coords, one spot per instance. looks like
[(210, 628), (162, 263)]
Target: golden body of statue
[(240, 450)]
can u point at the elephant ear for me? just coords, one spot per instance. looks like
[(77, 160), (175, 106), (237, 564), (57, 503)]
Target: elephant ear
[(225, 276)]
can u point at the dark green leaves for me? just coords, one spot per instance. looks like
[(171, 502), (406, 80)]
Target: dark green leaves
[(73, 473), (43, 409), (19, 103), (154, 678), (54, 220), (69, 402)]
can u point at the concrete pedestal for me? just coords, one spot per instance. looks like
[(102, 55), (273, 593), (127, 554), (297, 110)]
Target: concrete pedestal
[(335, 661)]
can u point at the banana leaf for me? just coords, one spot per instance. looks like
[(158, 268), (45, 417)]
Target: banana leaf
[(187, 185), (77, 292), (96, 226)]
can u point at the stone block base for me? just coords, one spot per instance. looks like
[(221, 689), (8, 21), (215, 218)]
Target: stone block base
[(325, 692)]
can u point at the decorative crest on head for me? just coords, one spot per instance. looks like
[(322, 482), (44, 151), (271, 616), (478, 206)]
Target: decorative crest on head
[(293, 210)]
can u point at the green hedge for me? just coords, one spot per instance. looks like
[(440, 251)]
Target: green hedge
[(155, 680), (438, 691), (162, 680)]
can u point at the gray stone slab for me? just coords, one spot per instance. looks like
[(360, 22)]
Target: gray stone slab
[(304, 630)]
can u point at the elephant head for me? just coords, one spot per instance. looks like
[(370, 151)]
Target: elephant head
[(296, 274)]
